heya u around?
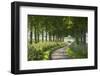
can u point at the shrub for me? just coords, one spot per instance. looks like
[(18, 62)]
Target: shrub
[(77, 51), (42, 50)]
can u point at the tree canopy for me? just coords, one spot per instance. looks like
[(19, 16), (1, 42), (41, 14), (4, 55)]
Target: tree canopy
[(55, 28)]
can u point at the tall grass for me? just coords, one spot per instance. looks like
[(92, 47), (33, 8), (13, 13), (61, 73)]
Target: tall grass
[(42, 50), (77, 51)]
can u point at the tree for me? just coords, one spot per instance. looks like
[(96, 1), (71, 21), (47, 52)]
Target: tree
[(79, 29), (30, 27), (55, 28)]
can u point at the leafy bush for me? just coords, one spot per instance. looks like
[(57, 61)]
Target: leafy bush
[(42, 50), (77, 51)]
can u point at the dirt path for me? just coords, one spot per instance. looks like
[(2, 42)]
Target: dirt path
[(59, 54)]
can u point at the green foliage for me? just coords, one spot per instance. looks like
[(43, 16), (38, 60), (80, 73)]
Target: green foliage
[(47, 33), (58, 26), (42, 50), (77, 51)]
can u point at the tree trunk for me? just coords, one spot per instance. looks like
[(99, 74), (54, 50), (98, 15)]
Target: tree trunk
[(42, 35), (46, 33), (60, 38), (35, 35), (84, 38), (53, 37), (38, 37), (31, 35), (46, 36), (49, 36), (63, 39), (77, 40)]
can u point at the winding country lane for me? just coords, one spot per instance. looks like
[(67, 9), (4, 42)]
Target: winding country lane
[(60, 54)]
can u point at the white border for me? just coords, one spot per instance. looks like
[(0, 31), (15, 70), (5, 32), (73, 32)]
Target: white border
[(26, 65)]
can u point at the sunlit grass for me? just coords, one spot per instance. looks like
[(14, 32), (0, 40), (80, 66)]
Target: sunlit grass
[(42, 50)]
